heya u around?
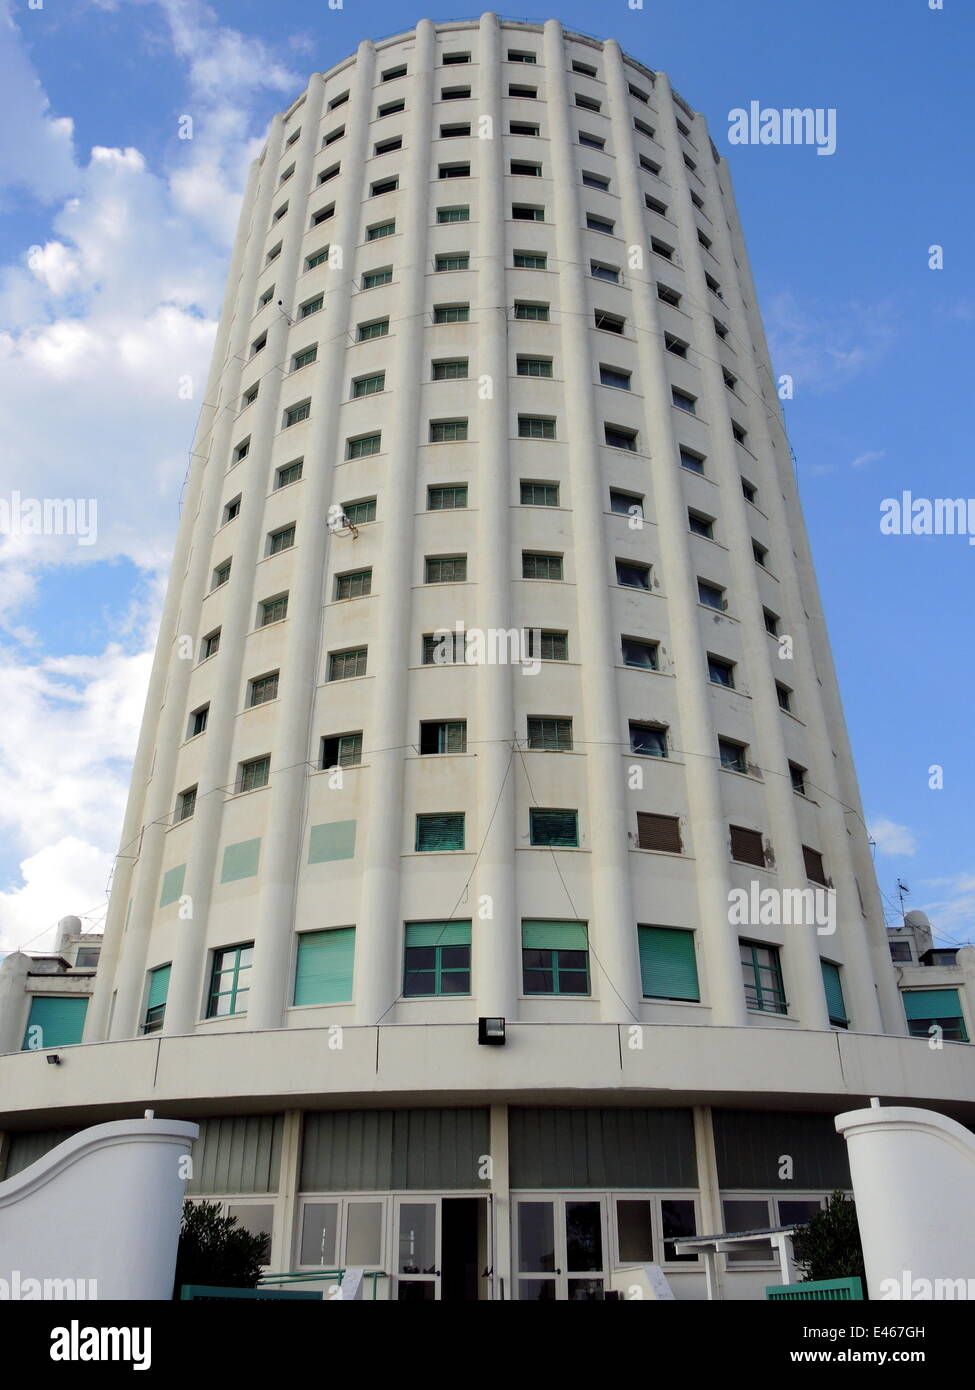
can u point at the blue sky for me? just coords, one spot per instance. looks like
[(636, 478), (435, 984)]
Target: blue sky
[(130, 230)]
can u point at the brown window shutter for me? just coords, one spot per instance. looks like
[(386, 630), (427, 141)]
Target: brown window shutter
[(815, 868), (746, 846), (658, 832)]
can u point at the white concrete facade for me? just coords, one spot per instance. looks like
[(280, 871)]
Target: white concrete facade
[(524, 250)]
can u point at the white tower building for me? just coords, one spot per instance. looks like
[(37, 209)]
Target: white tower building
[(490, 360)]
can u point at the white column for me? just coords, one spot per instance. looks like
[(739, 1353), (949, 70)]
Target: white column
[(800, 956), (379, 931), (612, 928), (496, 939), (725, 991), (301, 673)]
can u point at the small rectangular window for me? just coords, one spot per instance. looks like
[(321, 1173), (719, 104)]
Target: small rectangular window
[(539, 494), (599, 271), (210, 645), (372, 279), (721, 672), (231, 972), (747, 846), (733, 756), (450, 369), (591, 142), (388, 146), (338, 101), (185, 804), (760, 554), (683, 401), (523, 128), (675, 345), (437, 959), (454, 171), (517, 55), (643, 128), (515, 89), (273, 610), (711, 595), (700, 525), (198, 721), (311, 306), (667, 295), (587, 103), (762, 977), (333, 135), (443, 736), (541, 645), (458, 214), (651, 166), (649, 740), (660, 833), (296, 413), (522, 168), (382, 186), (523, 212), (344, 666), (323, 215), (304, 359), (625, 503), (585, 69), (232, 510), (316, 258), (535, 427), (749, 491), (390, 108), (539, 565), (440, 832), (454, 93), (242, 449), (616, 437), (445, 569), (784, 695), (253, 774), (361, 512), (771, 622), (380, 230), (369, 385), (536, 312), (364, 446), (289, 473), (220, 575), (451, 313), (332, 172), (530, 260), (280, 540), (535, 366), (595, 181), (600, 224), (555, 957), (250, 396), (558, 829), (263, 689), (797, 775), (692, 461), (355, 584), (815, 868), (447, 431), (450, 58), (391, 73), (287, 174), (609, 323), (455, 131), (377, 329), (668, 970), (446, 497), (644, 656), (655, 205), (341, 750), (632, 575), (455, 260)]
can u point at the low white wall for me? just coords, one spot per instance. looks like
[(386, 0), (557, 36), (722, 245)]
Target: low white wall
[(913, 1177), (104, 1206)]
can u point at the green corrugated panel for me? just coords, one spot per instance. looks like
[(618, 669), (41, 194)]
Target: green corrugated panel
[(383, 1150), (27, 1146), (333, 841), (236, 1154), (438, 933), (172, 885), (325, 963), (240, 860), (834, 991), (60, 1019), (556, 1147), (818, 1290), (668, 966), (158, 986), (932, 1003), (748, 1145), (548, 935)]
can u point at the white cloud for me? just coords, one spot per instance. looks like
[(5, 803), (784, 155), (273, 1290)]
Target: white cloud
[(823, 348), (103, 319), (871, 456), (891, 838), (953, 913)]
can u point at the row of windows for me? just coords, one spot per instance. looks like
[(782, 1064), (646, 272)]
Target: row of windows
[(555, 959)]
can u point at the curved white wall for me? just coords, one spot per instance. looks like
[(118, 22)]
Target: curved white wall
[(913, 1177), (654, 154), (103, 1207)]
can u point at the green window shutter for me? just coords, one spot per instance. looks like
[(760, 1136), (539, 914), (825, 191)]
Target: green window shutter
[(543, 935), (440, 832), (932, 1003), (240, 861), (553, 827), (668, 967), (834, 992), (335, 840), (325, 961), (60, 1021), (172, 885), (438, 933), (158, 986)]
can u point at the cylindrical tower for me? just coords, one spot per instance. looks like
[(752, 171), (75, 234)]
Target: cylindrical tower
[(492, 684)]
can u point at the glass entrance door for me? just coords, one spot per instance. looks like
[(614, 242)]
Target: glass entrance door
[(561, 1248), (417, 1250)]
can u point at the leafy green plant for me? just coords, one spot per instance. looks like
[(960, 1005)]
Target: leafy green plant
[(828, 1246), (213, 1250)]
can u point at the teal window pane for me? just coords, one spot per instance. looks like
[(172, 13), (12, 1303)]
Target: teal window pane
[(55, 1021), (240, 860), (172, 885), (335, 840), (325, 964), (668, 967), (440, 832)]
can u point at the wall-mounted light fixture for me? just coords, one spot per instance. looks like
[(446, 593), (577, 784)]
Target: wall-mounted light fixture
[(490, 1032), (54, 1059)]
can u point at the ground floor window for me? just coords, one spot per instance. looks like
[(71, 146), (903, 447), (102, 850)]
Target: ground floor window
[(756, 1213)]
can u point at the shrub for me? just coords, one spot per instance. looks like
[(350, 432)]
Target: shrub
[(213, 1250), (828, 1246)]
